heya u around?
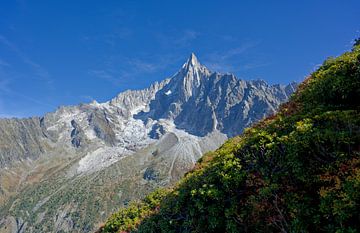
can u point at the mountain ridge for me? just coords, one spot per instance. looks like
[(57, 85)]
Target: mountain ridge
[(148, 138)]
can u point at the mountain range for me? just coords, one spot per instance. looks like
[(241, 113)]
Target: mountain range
[(70, 169), (295, 171)]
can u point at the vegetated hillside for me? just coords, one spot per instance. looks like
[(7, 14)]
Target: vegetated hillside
[(298, 171)]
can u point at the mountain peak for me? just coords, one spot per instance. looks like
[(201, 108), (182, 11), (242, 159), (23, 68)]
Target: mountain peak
[(192, 61), (192, 67)]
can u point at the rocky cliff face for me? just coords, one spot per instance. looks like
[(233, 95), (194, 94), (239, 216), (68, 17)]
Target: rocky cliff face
[(56, 169), (200, 101)]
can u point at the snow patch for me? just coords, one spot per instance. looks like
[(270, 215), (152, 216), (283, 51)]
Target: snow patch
[(137, 109), (90, 133), (101, 158)]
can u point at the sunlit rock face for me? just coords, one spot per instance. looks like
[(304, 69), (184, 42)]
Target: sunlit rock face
[(58, 172)]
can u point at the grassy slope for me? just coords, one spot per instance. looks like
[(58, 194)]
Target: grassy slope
[(298, 171)]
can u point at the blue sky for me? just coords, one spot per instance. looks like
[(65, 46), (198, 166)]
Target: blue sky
[(65, 52)]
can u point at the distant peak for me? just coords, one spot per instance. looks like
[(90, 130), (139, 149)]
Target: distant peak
[(192, 61), (192, 70)]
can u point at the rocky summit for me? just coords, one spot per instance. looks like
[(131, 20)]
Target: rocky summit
[(72, 168)]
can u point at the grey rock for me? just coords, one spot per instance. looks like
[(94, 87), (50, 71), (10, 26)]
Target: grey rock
[(77, 135), (200, 101), (150, 174)]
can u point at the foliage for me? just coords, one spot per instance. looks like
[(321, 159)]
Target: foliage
[(298, 171), (356, 42)]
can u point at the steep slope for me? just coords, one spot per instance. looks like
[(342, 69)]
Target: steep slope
[(59, 171), (297, 171)]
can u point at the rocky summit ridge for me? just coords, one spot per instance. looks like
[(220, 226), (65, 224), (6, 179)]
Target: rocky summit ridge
[(55, 169)]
